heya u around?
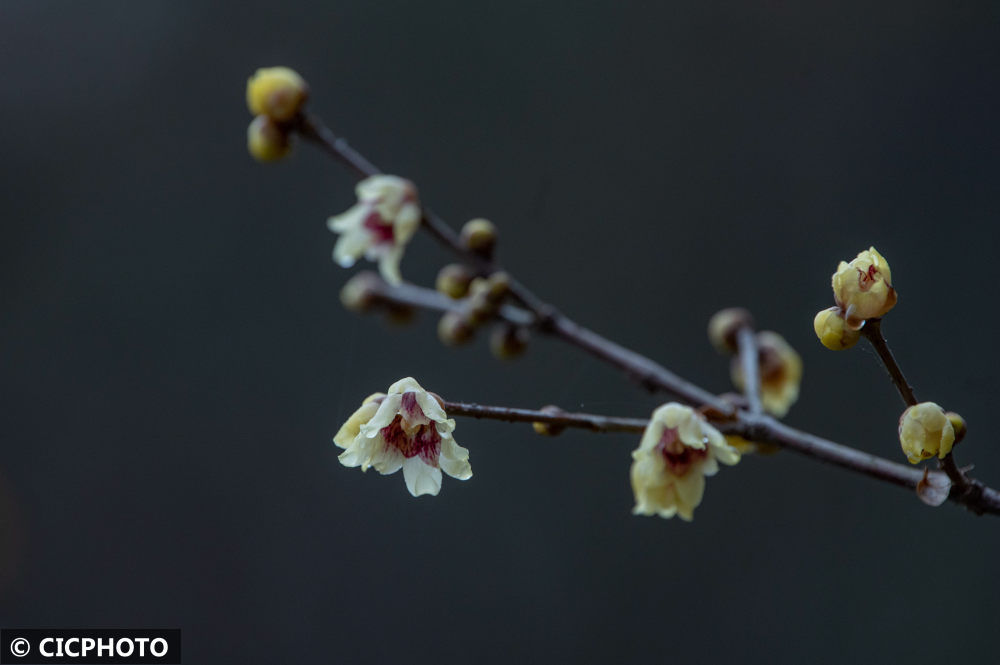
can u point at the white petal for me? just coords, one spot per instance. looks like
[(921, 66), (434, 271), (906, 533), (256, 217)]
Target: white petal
[(357, 453), (347, 433), (420, 478), (389, 460), (690, 489), (388, 265), (403, 385), (350, 247), (387, 410), (430, 407), (406, 223), (353, 218), (454, 459), (651, 436)]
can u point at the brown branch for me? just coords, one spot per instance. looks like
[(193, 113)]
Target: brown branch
[(872, 331), (754, 427)]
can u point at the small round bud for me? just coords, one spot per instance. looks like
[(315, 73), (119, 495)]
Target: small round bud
[(453, 280), (454, 329), (266, 140), (360, 293), (549, 429), (480, 305), (508, 342), (833, 331), (724, 326), (277, 92), (479, 235), (925, 431), (499, 286), (957, 424)]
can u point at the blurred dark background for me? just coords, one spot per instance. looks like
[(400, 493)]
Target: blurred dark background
[(175, 360)]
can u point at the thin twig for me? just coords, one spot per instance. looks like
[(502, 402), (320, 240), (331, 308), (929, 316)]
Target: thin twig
[(750, 362), (759, 428), (872, 331)]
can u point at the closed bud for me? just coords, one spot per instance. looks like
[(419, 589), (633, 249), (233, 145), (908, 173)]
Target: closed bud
[(508, 342), (454, 329), (957, 424), (724, 326), (549, 429), (833, 331), (453, 280), (360, 293), (277, 92), (266, 140), (863, 288), (925, 431), (479, 235)]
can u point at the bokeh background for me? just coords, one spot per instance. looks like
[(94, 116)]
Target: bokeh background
[(174, 358)]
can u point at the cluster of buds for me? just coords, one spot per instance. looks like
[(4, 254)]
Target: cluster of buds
[(481, 299), (862, 290), (275, 97), (363, 293)]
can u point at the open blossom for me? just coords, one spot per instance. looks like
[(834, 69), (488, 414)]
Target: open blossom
[(404, 429), (678, 449), (925, 430), (780, 373), (863, 288), (379, 225)]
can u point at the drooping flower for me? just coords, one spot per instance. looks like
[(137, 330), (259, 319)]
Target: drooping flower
[(863, 288), (925, 430), (678, 449), (780, 373), (379, 225), (404, 429)]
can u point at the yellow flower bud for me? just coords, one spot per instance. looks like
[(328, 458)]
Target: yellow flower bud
[(453, 280), (454, 329), (479, 235), (724, 325), (925, 431), (833, 331), (360, 292), (277, 92), (508, 342), (266, 140), (863, 288), (958, 424)]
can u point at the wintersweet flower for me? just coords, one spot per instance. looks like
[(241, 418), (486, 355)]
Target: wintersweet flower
[(780, 373), (404, 429), (925, 430), (863, 288), (678, 449), (378, 227)]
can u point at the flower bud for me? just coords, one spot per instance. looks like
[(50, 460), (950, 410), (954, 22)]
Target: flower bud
[(508, 342), (266, 140), (925, 431), (360, 293), (479, 235), (957, 424), (833, 331), (277, 92), (453, 280), (863, 288), (549, 429), (454, 329), (724, 326)]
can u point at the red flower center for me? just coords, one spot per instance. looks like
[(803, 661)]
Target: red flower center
[(867, 278), (381, 231), (412, 433), (679, 457)]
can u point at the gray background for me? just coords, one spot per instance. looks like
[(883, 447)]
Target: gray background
[(174, 359)]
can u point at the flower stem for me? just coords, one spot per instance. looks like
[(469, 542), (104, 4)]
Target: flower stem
[(750, 361), (872, 331)]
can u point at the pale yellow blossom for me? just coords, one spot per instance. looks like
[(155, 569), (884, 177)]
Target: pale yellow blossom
[(780, 373), (378, 227), (678, 449), (863, 288), (404, 429)]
